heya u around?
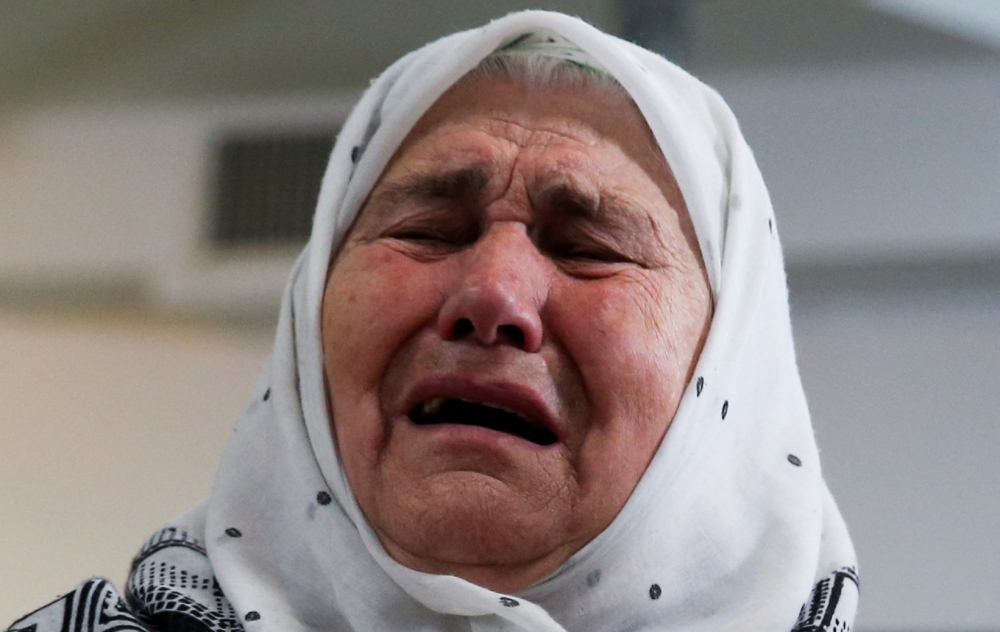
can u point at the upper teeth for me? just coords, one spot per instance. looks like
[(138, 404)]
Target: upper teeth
[(432, 406)]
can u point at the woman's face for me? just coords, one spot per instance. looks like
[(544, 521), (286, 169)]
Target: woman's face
[(508, 329)]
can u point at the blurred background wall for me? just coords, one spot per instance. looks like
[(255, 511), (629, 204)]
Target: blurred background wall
[(145, 145)]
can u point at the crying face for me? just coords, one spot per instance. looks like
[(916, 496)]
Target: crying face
[(508, 329)]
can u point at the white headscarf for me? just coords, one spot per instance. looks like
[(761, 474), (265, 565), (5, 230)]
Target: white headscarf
[(731, 526)]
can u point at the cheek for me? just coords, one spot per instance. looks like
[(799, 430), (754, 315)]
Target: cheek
[(633, 339), (620, 336), (615, 331), (375, 301)]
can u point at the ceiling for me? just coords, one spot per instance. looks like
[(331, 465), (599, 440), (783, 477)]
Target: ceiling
[(123, 49), (127, 50), (973, 20)]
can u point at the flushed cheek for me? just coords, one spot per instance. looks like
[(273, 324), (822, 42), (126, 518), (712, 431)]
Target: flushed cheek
[(612, 324), (630, 380), (376, 301)]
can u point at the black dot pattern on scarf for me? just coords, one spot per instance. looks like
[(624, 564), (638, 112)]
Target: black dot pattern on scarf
[(794, 460), (507, 602), (725, 408), (267, 395), (233, 532), (655, 592), (253, 615), (699, 386), (770, 226), (593, 578), (355, 153), (323, 498)]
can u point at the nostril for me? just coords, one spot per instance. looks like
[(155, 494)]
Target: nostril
[(513, 333), (490, 316), (510, 333), (463, 327)]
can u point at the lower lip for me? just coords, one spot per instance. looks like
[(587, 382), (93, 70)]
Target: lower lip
[(477, 436)]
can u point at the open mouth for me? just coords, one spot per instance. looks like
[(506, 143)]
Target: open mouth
[(456, 411)]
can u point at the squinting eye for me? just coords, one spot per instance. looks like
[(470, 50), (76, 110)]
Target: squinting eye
[(433, 236), (588, 254), (603, 256), (416, 235)]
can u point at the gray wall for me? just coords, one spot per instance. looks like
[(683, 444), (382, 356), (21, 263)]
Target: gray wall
[(886, 188)]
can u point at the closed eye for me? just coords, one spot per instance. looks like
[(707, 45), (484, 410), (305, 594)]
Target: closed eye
[(417, 235), (599, 255), (436, 230), (572, 244)]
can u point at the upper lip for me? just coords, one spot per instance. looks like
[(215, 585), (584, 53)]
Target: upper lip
[(517, 398)]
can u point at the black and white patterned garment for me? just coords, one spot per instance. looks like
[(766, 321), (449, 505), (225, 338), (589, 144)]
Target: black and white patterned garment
[(187, 602), (832, 605), (171, 588)]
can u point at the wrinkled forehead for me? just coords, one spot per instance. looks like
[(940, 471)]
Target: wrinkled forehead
[(584, 126)]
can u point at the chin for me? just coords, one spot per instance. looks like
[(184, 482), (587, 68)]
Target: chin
[(467, 519)]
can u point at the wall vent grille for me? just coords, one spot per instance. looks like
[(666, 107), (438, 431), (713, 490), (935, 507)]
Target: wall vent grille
[(267, 186)]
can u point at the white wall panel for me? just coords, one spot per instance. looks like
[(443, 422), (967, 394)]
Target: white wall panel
[(905, 395), (881, 162), (109, 426)]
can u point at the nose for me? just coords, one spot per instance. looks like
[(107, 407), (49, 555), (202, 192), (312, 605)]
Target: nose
[(499, 293)]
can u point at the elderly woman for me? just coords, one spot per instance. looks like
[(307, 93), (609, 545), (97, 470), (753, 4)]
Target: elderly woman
[(534, 371)]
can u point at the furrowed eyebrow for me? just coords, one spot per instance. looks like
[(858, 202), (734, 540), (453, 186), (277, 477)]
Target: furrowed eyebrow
[(567, 200), (461, 184)]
